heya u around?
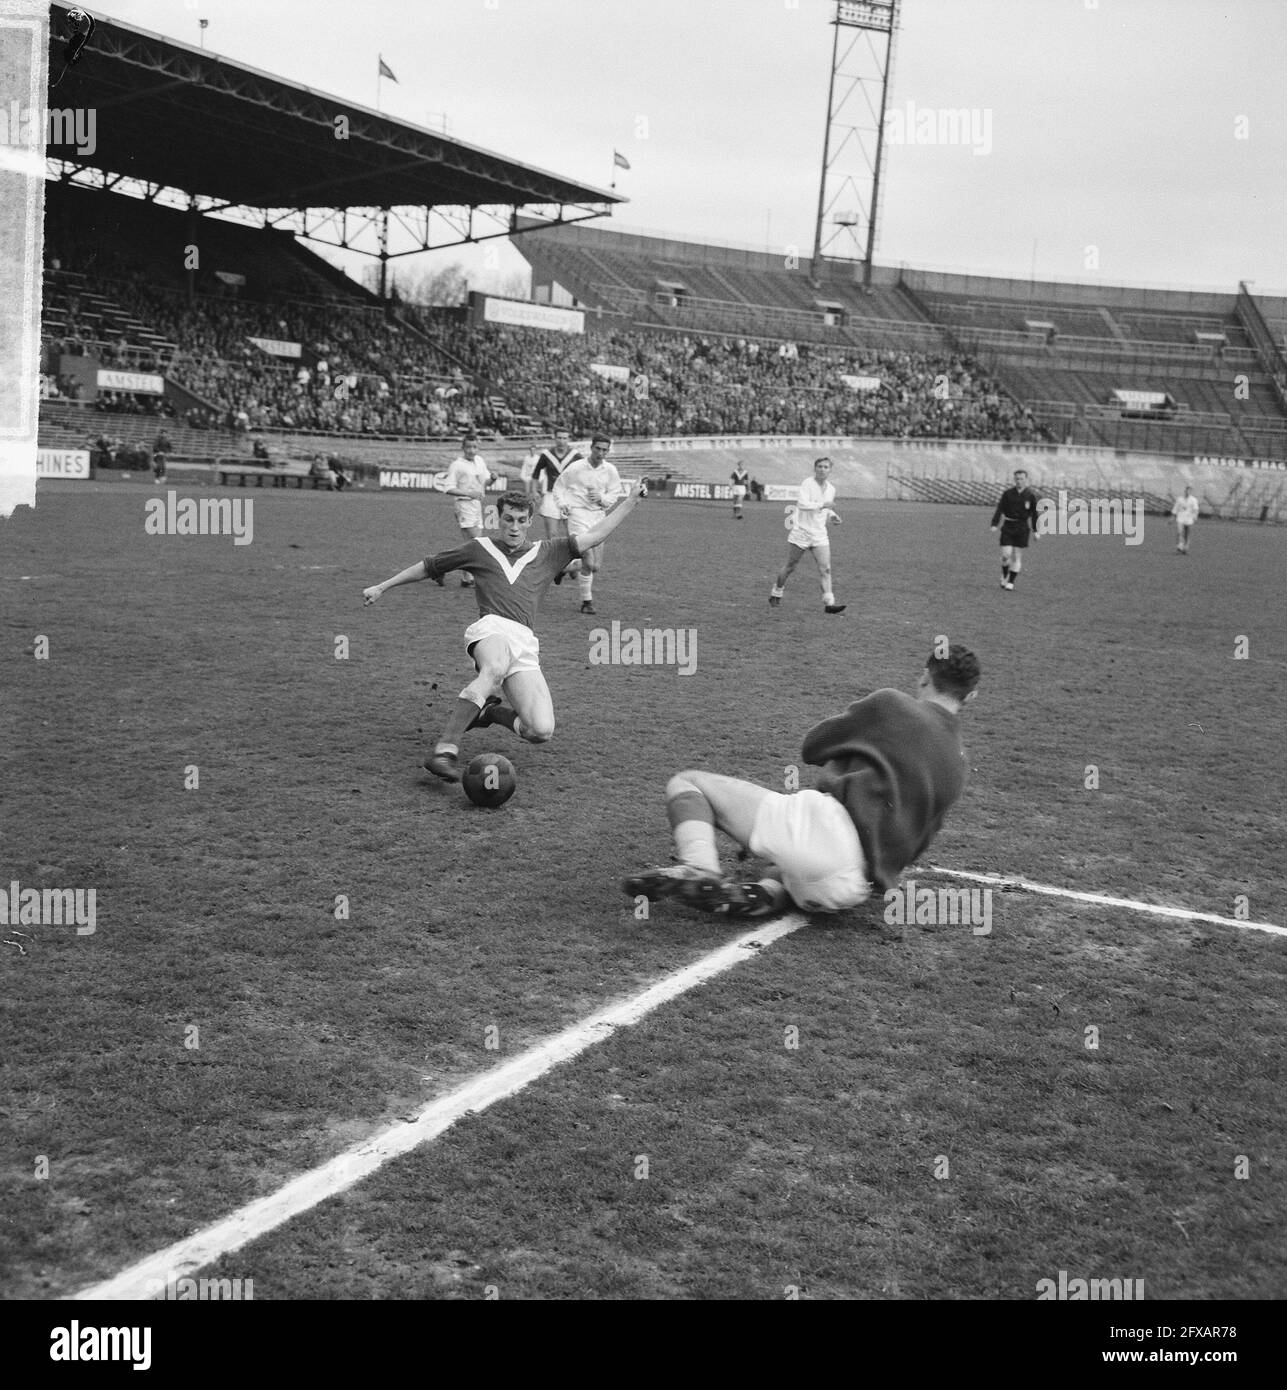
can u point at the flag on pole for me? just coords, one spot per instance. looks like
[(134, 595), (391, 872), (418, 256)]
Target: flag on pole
[(386, 70), (619, 161)]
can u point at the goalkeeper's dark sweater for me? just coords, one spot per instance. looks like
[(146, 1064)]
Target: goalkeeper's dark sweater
[(898, 767)]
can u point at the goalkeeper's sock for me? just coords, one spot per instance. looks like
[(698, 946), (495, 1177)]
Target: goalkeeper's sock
[(585, 582), (693, 825)]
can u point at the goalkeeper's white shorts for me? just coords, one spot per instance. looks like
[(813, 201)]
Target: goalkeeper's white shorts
[(815, 846)]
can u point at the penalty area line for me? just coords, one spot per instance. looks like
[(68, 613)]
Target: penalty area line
[(148, 1276), (1049, 890)]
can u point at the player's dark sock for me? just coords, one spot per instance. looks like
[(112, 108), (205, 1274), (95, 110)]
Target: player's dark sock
[(1014, 574), (1005, 572), (502, 714), (462, 716)]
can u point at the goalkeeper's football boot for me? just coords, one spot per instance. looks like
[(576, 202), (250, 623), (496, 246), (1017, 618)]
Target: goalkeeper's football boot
[(697, 887), (753, 900)]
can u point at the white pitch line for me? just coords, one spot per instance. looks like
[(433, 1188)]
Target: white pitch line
[(350, 1167), (1050, 891)]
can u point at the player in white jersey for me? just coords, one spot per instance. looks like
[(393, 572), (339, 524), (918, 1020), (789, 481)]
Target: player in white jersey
[(467, 479), (550, 464), (585, 493), (1185, 512), (528, 469), (807, 520)]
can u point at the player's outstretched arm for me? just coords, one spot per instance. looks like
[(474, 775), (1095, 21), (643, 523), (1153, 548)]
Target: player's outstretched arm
[(596, 535), (410, 575)]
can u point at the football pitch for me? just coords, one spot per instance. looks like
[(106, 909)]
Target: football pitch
[(301, 938)]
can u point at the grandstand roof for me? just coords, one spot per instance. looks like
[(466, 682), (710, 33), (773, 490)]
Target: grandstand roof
[(185, 118)]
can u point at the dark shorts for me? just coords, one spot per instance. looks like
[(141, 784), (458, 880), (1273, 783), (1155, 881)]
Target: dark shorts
[(1016, 534)]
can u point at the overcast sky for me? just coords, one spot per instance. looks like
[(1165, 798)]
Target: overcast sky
[(1112, 124)]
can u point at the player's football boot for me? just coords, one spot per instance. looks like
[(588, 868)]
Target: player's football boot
[(484, 716), (587, 607), (834, 607), (698, 887), (752, 900), (444, 765), (775, 600)]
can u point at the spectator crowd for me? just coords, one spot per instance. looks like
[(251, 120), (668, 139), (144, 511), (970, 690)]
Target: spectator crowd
[(419, 372)]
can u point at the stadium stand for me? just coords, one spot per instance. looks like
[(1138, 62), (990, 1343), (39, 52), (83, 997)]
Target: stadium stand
[(1059, 350), (421, 373), (681, 339)]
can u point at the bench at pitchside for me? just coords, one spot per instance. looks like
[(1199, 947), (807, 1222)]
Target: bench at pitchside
[(279, 477)]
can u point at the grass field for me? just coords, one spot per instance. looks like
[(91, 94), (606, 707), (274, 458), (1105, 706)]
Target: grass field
[(818, 1167)]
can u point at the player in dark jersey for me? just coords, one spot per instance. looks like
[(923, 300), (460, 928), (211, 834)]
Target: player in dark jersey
[(1018, 507), (550, 464), (740, 479), (892, 767), (511, 575)]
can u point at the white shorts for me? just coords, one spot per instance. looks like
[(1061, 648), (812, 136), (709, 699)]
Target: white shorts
[(739, 492), (583, 519), (549, 507), (524, 650), (806, 540), (469, 513), (812, 841)]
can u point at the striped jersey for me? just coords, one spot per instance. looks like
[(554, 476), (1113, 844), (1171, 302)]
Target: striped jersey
[(549, 465)]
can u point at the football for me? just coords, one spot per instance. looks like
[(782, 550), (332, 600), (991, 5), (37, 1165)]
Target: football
[(489, 780)]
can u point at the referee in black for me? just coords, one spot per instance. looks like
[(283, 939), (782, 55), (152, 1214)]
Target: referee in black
[(1017, 515)]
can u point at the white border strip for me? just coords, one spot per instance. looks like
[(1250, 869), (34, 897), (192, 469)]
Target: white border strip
[(350, 1167), (1001, 881)]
